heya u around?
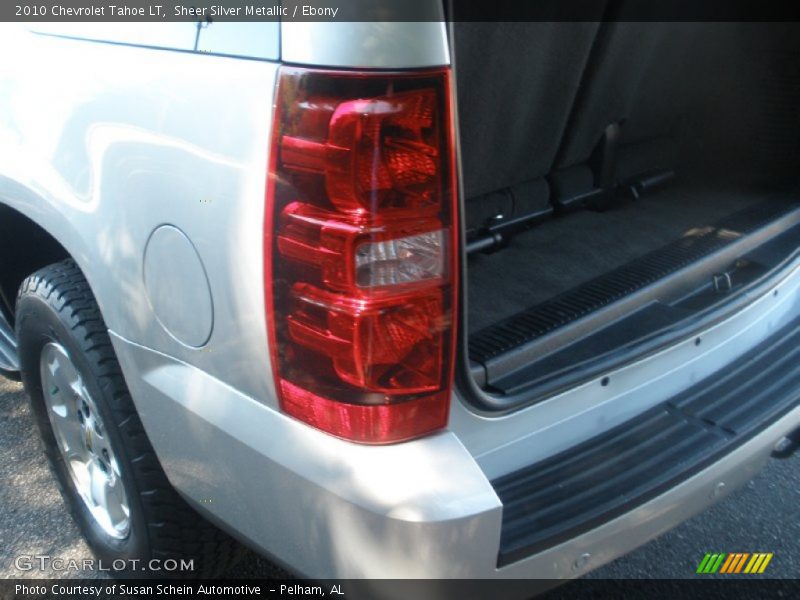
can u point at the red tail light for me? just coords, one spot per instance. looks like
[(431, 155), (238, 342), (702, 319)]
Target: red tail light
[(361, 242)]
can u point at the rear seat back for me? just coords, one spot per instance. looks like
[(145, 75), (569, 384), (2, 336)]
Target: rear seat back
[(634, 89), (516, 86), (661, 106)]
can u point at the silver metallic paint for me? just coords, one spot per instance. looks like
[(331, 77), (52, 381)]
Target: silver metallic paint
[(174, 35), (324, 506), (259, 40), (177, 288), (365, 45), (252, 40), (101, 144)]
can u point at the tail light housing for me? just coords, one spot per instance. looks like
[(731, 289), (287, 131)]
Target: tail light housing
[(361, 261)]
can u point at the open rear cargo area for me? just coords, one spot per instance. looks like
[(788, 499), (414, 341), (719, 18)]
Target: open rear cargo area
[(621, 180)]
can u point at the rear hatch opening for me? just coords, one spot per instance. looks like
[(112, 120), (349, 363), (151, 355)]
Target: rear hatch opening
[(624, 184)]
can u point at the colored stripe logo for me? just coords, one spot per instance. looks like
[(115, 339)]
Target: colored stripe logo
[(734, 562)]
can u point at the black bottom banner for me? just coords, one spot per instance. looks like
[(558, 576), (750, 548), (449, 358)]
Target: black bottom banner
[(85, 589)]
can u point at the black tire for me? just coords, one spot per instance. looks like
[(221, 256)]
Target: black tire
[(55, 304)]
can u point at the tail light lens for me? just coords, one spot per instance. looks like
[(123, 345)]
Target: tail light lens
[(361, 251)]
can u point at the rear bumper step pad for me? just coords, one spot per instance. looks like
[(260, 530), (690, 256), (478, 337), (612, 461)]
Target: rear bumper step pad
[(577, 490)]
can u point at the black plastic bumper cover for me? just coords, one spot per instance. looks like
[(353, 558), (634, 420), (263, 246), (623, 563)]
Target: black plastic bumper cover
[(577, 490)]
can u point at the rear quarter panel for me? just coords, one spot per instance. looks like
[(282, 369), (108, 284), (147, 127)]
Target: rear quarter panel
[(101, 144)]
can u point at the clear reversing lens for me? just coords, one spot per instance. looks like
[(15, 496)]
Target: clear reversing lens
[(414, 258)]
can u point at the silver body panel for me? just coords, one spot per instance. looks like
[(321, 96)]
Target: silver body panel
[(102, 144), (108, 142), (365, 45), (326, 507)]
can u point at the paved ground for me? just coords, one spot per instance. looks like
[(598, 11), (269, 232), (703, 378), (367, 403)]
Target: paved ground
[(764, 516)]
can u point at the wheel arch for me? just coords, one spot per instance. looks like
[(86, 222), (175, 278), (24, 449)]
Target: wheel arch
[(32, 236)]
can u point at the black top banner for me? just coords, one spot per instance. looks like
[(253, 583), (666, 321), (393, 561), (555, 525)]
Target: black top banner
[(398, 10)]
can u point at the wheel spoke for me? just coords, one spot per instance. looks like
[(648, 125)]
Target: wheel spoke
[(69, 434), (63, 373), (109, 496), (117, 506), (98, 485), (59, 382), (81, 475)]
